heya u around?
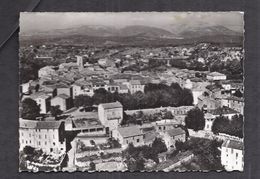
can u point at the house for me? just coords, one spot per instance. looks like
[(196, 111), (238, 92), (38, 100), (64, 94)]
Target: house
[(110, 114), (224, 111), (46, 71), (149, 137), (82, 88), (64, 89), (25, 88), (43, 100), (112, 87), (136, 85), (171, 136), (216, 76), (165, 125), (63, 101), (127, 135), (209, 119), (123, 88), (232, 155), (235, 103), (206, 103), (45, 135)]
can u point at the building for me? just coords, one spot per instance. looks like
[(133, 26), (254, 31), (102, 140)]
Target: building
[(223, 111), (234, 103), (43, 100), (110, 114), (129, 134), (216, 76), (135, 85), (81, 89), (209, 119), (25, 88), (46, 71), (165, 125), (63, 101), (206, 103), (171, 136), (64, 89), (80, 62), (45, 135), (232, 155)]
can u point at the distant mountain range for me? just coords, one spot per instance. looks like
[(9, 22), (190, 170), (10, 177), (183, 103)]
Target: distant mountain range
[(139, 33)]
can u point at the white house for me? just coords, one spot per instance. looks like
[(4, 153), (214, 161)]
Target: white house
[(232, 155), (45, 135), (46, 71), (63, 101), (43, 100), (129, 134), (135, 85), (110, 114), (216, 76), (171, 136)]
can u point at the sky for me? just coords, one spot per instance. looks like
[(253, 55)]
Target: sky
[(45, 21)]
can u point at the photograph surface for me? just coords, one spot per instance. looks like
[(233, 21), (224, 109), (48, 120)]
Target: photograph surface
[(131, 91)]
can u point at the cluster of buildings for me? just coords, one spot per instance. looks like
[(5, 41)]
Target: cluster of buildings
[(59, 85)]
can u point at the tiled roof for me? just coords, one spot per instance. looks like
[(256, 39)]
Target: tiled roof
[(175, 132), (111, 105), (150, 136), (233, 144), (32, 124), (129, 131), (64, 96), (223, 110), (216, 74)]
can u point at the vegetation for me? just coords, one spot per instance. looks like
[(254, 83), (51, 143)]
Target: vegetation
[(92, 166), (83, 100), (232, 127), (195, 119), (136, 156), (155, 95), (30, 109), (207, 154), (55, 111)]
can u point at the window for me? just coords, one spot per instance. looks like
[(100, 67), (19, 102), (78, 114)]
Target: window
[(30, 141), (39, 136), (232, 151), (236, 155), (137, 140), (39, 143), (127, 141), (53, 143)]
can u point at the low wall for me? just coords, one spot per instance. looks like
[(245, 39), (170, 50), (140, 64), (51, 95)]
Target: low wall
[(182, 110), (186, 159)]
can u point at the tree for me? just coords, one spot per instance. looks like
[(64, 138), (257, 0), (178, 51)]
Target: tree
[(92, 166), (168, 115), (30, 109), (83, 100), (55, 111), (102, 96), (195, 119), (158, 146), (28, 150), (231, 127)]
